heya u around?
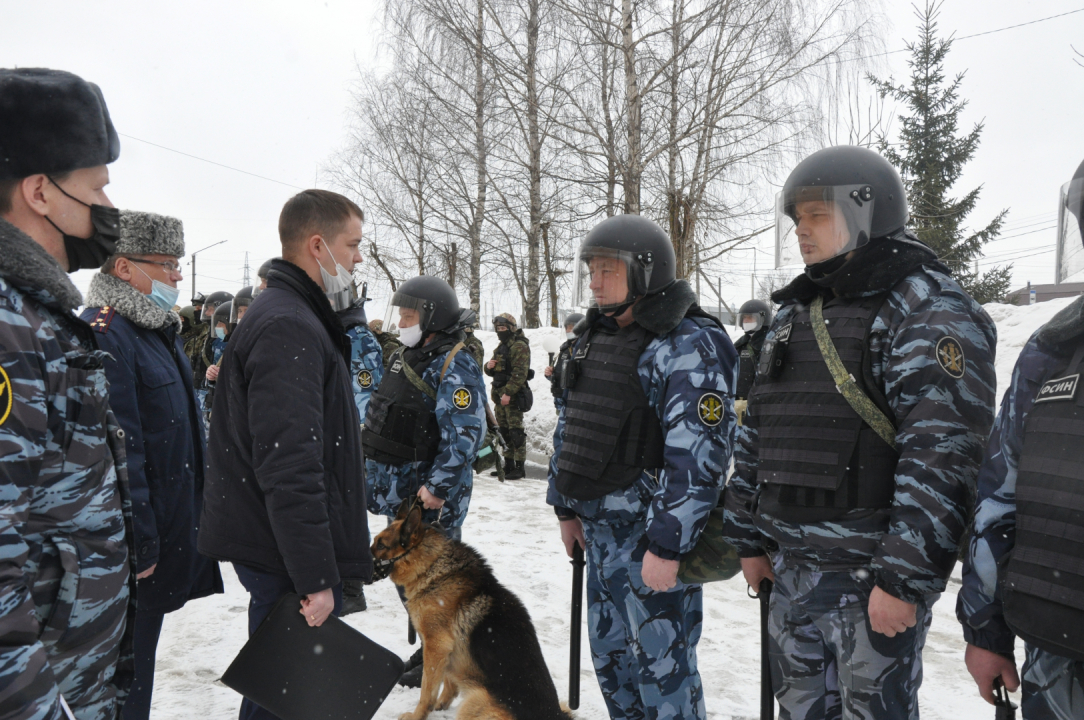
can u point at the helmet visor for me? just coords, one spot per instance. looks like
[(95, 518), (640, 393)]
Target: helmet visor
[(828, 221), (237, 310), (406, 310), (606, 278), (208, 312), (1071, 231)]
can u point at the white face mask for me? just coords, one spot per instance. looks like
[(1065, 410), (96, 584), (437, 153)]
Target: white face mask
[(570, 335), (337, 286), (749, 326), (411, 336)]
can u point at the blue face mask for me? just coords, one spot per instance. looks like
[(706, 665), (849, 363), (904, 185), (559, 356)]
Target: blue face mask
[(161, 294), (220, 333)]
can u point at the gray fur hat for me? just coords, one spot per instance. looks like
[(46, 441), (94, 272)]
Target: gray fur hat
[(144, 233), (52, 122)]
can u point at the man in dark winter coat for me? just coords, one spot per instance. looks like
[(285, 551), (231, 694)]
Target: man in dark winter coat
[(150, 391), (873, 397), (66, 582), (285, 495), (755, 316)]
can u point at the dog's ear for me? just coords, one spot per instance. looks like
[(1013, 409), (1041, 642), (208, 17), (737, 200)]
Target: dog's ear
[(404, 509), (411, 524)]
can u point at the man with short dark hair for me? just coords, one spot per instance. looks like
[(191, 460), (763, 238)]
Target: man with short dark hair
[(150, 390), (285, 494), (65, 578)]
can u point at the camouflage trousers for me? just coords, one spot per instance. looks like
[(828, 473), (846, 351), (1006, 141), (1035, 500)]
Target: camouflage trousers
[(826, 660), (388, 486), (510, 421), (1053, 687), (643, 643)]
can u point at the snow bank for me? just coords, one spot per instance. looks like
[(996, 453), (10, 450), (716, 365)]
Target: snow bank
[(518, 534)]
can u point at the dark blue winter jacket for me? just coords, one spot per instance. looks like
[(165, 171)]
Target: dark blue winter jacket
[(150, 391)]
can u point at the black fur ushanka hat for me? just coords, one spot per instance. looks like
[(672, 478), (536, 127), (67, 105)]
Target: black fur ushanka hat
[(52, 122)]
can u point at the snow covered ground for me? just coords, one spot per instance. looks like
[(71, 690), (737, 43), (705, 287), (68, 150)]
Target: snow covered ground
[(514, 528)]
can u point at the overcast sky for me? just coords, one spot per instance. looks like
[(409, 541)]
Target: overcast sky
[(264, 87)]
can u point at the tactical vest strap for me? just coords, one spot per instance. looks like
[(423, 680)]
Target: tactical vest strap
[(416, 380), (845, 381)]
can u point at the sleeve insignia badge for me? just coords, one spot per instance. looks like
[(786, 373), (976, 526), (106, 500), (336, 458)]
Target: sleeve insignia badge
[(950, 356), (461, 398), (710, 409)]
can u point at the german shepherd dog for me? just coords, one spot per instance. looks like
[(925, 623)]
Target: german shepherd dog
[(477, 637)]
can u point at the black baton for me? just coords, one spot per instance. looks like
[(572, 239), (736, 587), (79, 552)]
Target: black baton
[(577, 611), (767, 697), (411, 636)]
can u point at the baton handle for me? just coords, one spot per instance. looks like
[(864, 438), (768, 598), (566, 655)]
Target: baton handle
[(577, 613), (767, 697)]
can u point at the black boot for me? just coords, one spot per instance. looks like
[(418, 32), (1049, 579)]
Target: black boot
[(509, 465), (518, 471), (412, 671), (353, 597)]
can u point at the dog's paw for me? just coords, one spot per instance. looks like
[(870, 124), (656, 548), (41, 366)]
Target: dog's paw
[(411, 716)]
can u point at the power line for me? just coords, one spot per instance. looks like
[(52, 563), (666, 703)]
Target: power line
[(985, 32), (212, 162)]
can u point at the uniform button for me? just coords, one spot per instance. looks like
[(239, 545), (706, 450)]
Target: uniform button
[(120, 433)]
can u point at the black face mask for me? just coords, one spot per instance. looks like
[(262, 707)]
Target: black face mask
[(504, 335), (89, 253)]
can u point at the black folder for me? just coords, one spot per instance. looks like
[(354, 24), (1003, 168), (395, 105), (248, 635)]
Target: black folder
[(298, 672)]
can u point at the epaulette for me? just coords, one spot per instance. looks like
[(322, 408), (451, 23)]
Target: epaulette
[(101, 321)]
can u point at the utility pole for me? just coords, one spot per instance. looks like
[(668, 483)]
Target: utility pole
[(194, 263), (246, 282)]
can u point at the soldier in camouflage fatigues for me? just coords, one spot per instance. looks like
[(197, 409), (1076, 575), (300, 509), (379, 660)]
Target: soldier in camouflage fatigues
[(1022, 572), (863, 534), (388, 342), (66, 579), (474, 346), (509, 367), (637, 521)]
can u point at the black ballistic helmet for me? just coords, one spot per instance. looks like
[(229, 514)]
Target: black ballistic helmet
[(213, 300), (573, 319), (242, 299), (760, 310), (222, 315), (640, 243), (869, 177), (198, 299), (433, 298), (265, 268)]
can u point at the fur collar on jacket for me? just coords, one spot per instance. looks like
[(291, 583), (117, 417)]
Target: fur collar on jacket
[(130, 304), (26, 263)]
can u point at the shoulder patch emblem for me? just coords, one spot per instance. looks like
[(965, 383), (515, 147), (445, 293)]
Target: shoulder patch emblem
[(396, 366), (461, 398), (101, 321), (365, 379), (950, 355), (6, 396), (782, 335), (710, 409), (1063, 388)]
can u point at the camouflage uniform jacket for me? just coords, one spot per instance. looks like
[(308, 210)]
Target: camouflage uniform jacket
[(475, 348), (513, 362), (677, 369), (193, 348), (461, 417), (366, 365), (388, 344), (66, 584), (978, 604), (941, 426)]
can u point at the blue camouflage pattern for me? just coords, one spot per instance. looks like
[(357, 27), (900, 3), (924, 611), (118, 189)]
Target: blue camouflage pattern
[(941, 422), (826, 660), (462, 431), (66, 593), (366, 365), (643, 643), (1052, 686)]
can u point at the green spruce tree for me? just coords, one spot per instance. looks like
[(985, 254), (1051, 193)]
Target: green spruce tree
[(931, 155)]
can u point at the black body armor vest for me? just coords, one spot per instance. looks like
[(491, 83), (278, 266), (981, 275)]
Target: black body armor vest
[(400, 423), (611, 432), (818, 459), (1042, 585), (748, 347), (560, 363), (504, 354)]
